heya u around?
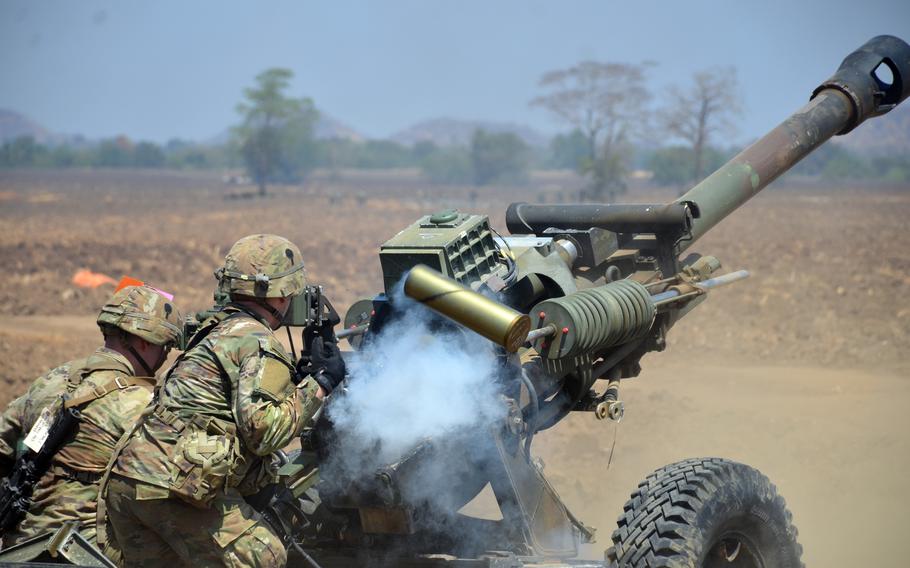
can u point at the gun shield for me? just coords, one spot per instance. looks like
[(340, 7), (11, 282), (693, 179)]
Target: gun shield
[(498, 323)]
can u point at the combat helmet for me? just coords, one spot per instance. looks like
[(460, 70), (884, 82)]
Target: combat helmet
[(263, 266), (144, 312)]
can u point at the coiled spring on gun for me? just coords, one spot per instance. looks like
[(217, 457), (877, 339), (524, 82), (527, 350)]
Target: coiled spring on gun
[(594, 319)]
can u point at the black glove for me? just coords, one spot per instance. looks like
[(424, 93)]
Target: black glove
[(326, 364)]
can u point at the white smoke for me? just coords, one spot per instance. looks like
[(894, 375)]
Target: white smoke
[(411, 382)]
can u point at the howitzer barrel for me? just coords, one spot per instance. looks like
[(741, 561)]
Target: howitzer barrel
[(498, 323), (837, 106)]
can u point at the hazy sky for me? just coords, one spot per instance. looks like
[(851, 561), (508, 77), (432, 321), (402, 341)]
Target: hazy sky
[(156, 70)]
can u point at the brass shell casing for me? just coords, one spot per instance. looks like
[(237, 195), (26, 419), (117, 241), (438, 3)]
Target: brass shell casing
[(498, 323)]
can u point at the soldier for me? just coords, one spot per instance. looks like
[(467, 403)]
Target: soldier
[(176, 490), (110, 389)]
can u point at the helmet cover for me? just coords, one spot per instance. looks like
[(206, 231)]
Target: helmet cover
[(144, 312), (263, 266)]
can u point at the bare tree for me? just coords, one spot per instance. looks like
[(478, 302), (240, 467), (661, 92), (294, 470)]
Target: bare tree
[(602, 100), (706, 108)]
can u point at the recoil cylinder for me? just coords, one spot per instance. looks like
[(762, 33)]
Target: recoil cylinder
[(594, 319)]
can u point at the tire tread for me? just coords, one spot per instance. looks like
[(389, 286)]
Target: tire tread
[(658, 524)]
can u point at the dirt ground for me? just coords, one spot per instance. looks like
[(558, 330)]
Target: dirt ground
[(800, 371)]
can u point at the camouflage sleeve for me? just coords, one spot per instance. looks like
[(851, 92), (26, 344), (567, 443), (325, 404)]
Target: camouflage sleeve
[(268, 408), (10, 433)]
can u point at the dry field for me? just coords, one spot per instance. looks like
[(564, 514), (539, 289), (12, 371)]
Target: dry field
[(800, 370)]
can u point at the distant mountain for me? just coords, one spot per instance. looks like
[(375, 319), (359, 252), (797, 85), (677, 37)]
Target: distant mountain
[(454, 132), (882, 136), (886, 135), (330, 127), (14, 125)]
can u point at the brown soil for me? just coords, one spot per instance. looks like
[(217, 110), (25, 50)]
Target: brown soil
[(800, 370), (834, 441)]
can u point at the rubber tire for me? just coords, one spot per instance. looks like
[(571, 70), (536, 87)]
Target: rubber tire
[(680, 511)]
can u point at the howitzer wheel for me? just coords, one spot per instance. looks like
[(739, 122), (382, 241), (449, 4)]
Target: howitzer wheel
[(706, 513)]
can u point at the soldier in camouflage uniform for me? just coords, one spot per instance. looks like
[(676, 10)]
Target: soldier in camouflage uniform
[(110, 388), (176, 489)]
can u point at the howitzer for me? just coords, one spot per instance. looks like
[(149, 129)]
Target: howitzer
[(574, 297)]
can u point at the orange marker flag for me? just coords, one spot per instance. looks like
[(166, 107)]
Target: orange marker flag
[(130, 281), (85, 278)]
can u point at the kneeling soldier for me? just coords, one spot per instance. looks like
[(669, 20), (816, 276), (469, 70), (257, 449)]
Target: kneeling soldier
[(105, 394), (176, 490)]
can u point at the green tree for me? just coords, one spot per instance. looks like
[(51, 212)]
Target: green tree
[(451, 165), (22, 152), (114, 153), (607, 173), (64, 157), (835, 162), (148, 155), (846, 165), (893, 169), (382, 154), (422, 150), (672, 165), (335, 153), (276, 136), (498, 157), (568, 151)]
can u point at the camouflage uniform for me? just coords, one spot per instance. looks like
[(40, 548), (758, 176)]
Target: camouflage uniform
[(176, 488), (20, 415), (113, 396)]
